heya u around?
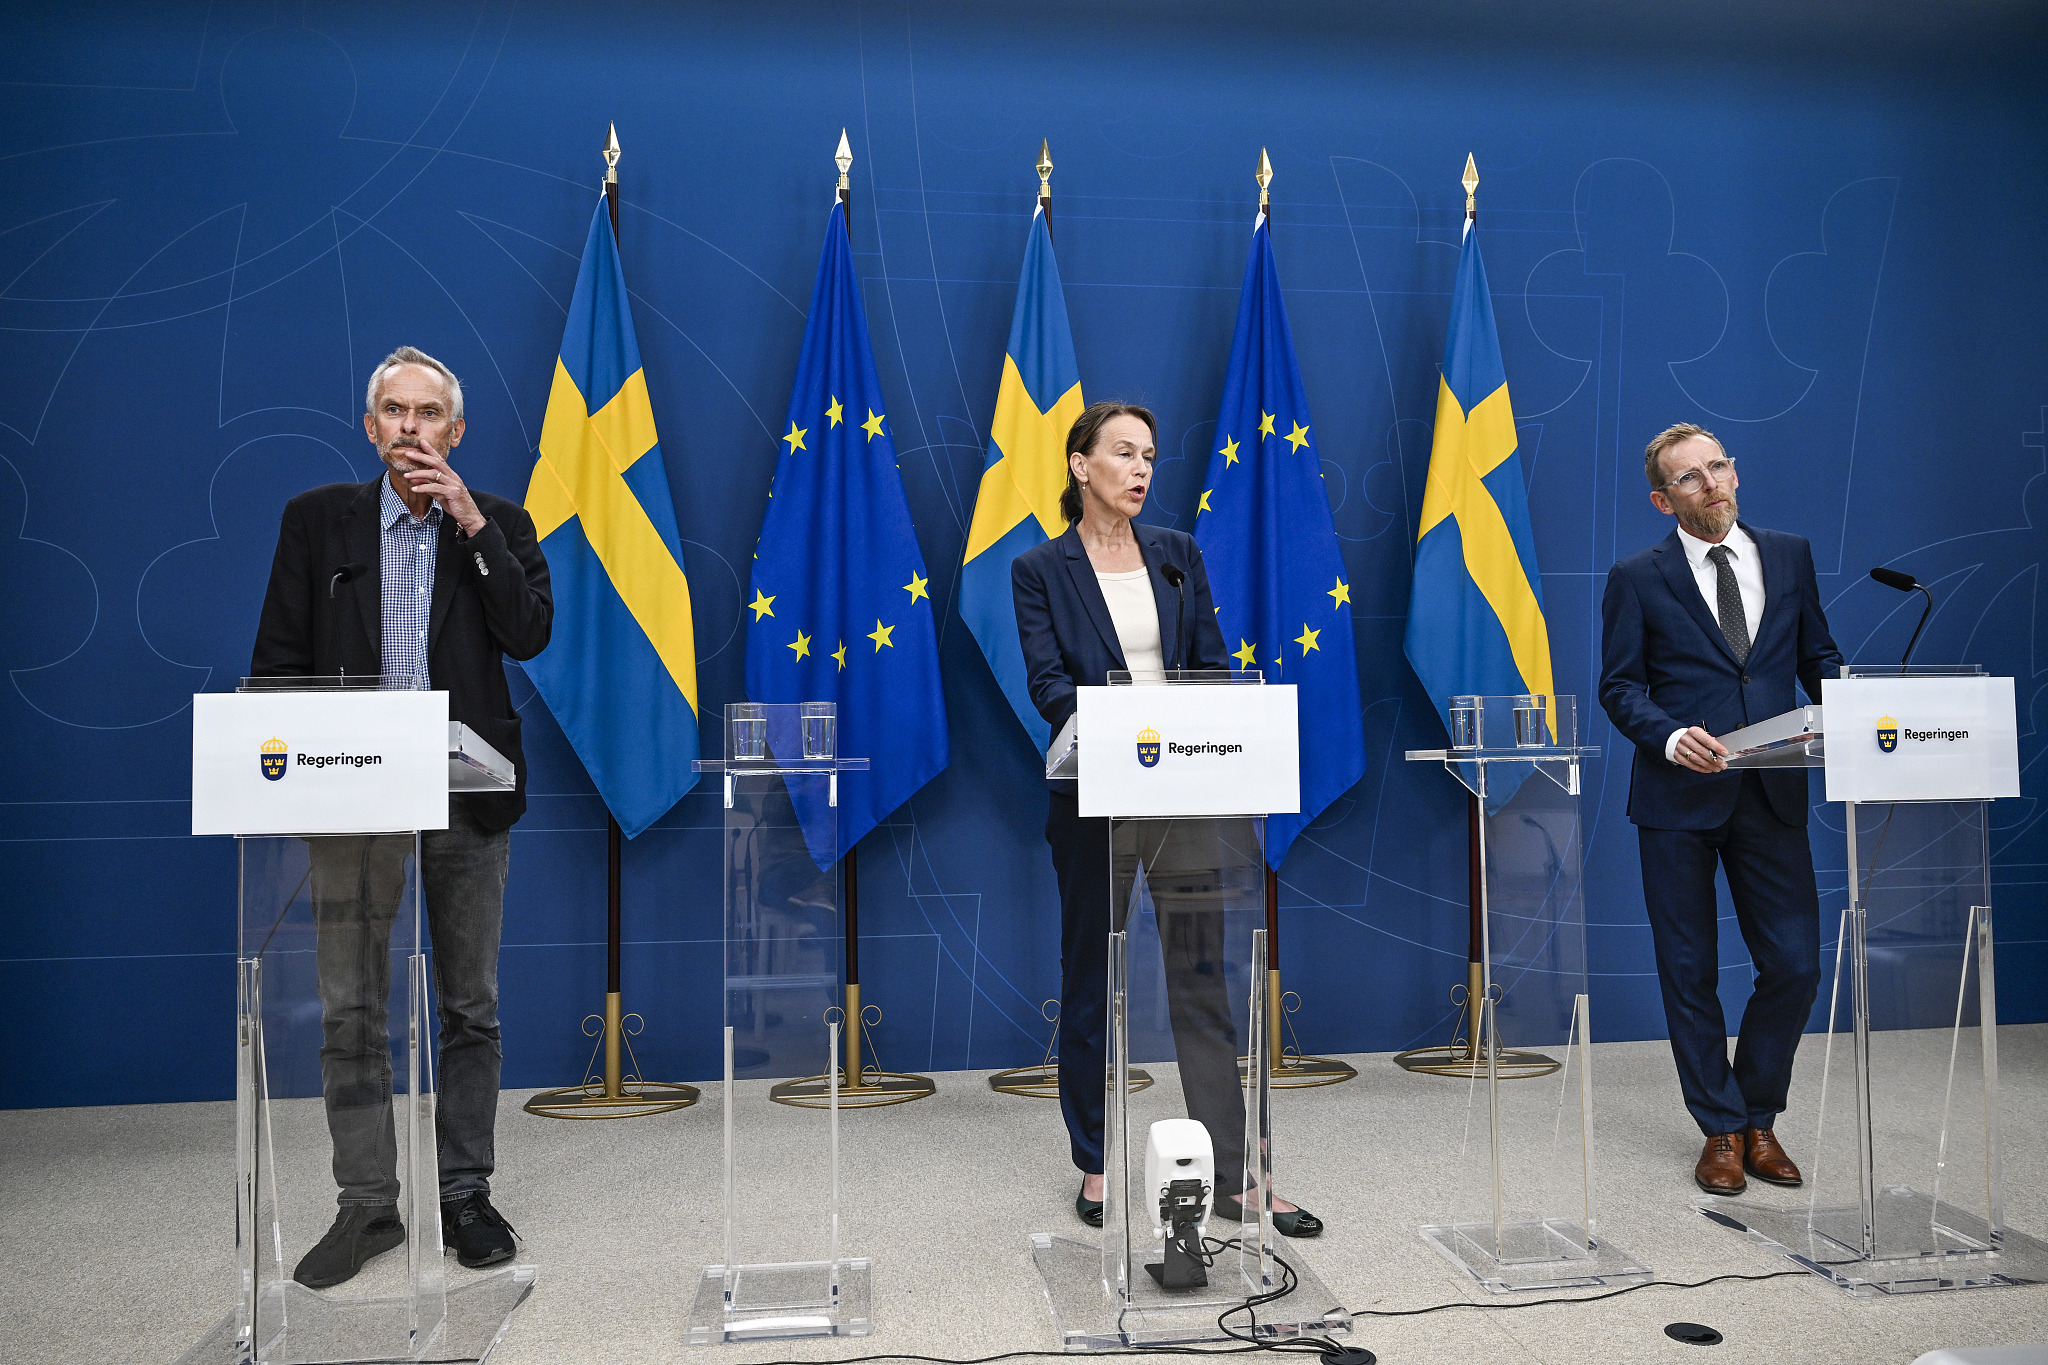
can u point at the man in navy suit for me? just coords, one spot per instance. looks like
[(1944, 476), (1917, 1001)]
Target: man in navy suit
[(1703, 633)]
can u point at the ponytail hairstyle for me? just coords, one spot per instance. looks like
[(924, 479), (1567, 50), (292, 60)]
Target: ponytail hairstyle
[(1081, 439)]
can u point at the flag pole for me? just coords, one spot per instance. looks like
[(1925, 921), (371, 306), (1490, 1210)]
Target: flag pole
[(857, 1091), (1465, 1055), (1301, 1070), (615, 1093), (1041, 1081), (850, 923)]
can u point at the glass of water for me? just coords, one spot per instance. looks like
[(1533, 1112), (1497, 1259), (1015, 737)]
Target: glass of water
[(1532, 729), (821, 729), (746, 732), (1465, 717)]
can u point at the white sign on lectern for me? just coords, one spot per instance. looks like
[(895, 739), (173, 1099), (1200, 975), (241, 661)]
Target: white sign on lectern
[(1921, 738), (319, 762), (1156, 750)]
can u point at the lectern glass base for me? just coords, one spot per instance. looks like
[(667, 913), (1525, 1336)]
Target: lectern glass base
[(319, 1328), (1089, 1319), (795, 1299), (1922, 1245), (1531, 1253)]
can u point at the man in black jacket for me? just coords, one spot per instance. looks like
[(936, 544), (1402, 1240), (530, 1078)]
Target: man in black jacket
[(411, 575)]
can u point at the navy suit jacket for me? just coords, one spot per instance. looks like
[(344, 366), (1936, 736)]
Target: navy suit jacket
[(1064, 627), (1665, 665)]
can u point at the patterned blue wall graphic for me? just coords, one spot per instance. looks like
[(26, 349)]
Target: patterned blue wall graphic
[(215, 219)]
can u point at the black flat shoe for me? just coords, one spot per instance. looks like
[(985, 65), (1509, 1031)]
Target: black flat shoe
[(1089, 1209), (360, 1232), (1299, 1223), (477, 1233)]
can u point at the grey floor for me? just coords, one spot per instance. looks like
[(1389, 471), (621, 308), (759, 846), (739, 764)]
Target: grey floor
[(115, 1223)]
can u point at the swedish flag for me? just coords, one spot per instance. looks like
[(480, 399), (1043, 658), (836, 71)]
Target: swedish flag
[(1475, 612), (840, 606), (620, 674), (1263, 521), (1019, 502)]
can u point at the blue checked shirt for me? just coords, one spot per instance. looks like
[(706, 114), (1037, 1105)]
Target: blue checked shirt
[(408, 545)]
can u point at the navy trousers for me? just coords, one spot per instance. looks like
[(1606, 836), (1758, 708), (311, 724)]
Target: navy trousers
[(1179, 863), (1769, 866)]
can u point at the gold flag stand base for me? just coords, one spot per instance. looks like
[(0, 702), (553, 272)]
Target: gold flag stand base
[(1291, 1068), (1463, 1056), (1042, 1082), (872, 1087), (616, 1091)]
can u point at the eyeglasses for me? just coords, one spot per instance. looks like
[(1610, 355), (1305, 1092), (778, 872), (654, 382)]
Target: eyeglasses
[(1692, 480)]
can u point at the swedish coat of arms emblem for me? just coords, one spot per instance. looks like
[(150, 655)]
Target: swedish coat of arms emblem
[(1148, 748)]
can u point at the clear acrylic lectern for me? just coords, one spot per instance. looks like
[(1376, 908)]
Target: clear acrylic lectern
[(334, 1082), (783, 1272), (1518, 1199), (1898, 1207), (1187, 985)]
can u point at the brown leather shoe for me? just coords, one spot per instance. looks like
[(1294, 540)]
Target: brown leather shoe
[(1720, 1167), (1763, 1158)]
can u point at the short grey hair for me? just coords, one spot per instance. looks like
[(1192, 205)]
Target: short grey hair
[(413, 355)]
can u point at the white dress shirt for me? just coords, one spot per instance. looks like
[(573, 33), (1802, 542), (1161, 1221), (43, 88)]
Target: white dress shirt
[(1749, 579), (1135, 614)]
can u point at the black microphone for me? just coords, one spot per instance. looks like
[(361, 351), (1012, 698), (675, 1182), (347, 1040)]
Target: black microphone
[(1172, 574), (1905, 582), (347, 573)]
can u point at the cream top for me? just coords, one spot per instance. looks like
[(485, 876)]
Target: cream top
[(1135, 614)]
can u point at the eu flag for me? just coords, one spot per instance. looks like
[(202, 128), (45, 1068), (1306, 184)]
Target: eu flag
[(1018, 505), (1266, 534), (1475, 613), (840, 606), (620, 674)]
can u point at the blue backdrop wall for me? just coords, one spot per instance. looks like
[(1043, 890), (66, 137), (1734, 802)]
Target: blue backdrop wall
[(1815, 230)]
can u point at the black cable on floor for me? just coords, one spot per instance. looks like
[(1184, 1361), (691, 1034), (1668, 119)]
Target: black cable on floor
[(1587, 1298), (1297, 1345)]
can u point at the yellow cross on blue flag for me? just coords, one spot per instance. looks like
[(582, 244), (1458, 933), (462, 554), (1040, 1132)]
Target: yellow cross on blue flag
[(839, 604), (620, 674), (1018, 505), (1475, 612), (1264, 524)]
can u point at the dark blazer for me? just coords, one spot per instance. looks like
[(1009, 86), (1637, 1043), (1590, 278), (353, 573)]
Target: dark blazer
[(491, 598), (1665, 666), (1064, 627)]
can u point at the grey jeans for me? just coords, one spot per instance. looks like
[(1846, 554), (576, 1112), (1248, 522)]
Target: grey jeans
[(358, 883)]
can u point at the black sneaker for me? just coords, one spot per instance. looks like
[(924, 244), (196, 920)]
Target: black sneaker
[(360, 1231), (477, 1233)]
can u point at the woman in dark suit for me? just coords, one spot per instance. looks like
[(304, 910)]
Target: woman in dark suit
[(1098, 599)]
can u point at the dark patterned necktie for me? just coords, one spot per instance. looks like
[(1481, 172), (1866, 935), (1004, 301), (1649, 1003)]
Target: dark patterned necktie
[(1734, 626)]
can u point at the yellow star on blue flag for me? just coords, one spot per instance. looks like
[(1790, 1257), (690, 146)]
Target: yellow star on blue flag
[(1270, 542), (837, 552)]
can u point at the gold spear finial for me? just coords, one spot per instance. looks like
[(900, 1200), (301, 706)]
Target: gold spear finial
[(844, 156), (1045, 168), (611, 156), (1471, 184), (1264, 176)]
